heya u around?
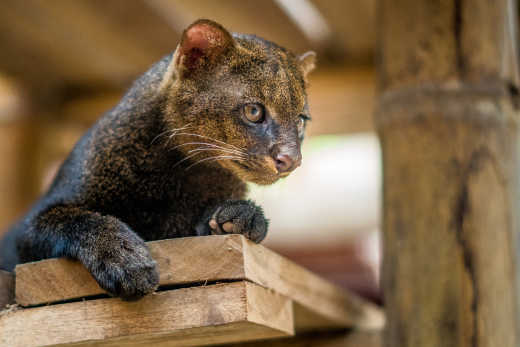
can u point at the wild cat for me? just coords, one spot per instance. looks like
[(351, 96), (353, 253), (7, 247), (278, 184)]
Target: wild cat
[(172, 159)]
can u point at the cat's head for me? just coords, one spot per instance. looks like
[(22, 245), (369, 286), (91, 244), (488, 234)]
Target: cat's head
[(237, 101)]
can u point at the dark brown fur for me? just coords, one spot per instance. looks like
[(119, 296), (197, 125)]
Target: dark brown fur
[(138, 174)]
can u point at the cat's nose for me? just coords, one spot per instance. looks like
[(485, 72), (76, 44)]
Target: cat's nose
[(286, 163)]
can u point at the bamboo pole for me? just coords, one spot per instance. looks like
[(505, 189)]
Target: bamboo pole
[(448, 123)]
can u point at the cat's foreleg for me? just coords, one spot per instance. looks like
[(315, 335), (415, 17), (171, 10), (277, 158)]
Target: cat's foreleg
[(235, 217), (114, 254)]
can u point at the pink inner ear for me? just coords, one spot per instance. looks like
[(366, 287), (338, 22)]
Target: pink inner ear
[(202, 43), (196, 37)]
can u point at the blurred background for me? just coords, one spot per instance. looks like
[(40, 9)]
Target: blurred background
[(63, 63)]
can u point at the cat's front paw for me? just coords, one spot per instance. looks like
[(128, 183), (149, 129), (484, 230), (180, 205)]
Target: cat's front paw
[(125, 268), (239, 217)]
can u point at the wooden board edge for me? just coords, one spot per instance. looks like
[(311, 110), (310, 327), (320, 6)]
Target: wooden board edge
[(354, 338), (260, 313), (112, 321), (308, 320), (224, 334), (40, 283), (57, 280), (338, 305)]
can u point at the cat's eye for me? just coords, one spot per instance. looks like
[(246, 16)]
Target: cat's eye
[(301, 123), (254, 112), (302, 119)]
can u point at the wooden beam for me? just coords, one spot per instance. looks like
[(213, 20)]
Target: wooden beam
[(341, 100), (198, 316), (18, 179), (353, 26), (81, 42), (239, 16), (324, 339), (195, 260), (6, 289), (450, 138)]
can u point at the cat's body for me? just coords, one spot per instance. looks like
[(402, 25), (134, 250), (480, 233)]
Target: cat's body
[(139, 187), (170, 160)]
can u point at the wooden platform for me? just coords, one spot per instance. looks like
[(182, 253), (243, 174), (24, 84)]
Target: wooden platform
[(213, 290)]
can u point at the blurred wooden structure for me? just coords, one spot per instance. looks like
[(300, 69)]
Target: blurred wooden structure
[(6, 289), (94, 42), (215, 289), (448, 122)]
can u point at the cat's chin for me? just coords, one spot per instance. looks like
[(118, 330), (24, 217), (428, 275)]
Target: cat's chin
[(258, 175), (264, 181), (260, 178)]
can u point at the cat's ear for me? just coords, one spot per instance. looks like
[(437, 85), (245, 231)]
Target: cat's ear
[(202, 44), (307, 62)]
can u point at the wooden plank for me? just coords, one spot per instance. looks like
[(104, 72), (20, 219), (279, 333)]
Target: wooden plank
[(327, 339), (6, 289), (197, 316), (209, 335), (202, 259), (180, 261), (271, 270)]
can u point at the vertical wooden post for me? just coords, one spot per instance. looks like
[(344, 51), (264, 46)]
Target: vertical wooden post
[(6, 289), (448, 123)]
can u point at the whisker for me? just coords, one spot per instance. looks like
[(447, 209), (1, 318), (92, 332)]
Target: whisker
[(184, 159), (207, 137), (215, 158), (209, 145), (161, 134), (217, 149), (173, 131)]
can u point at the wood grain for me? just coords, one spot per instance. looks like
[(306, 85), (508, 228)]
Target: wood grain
[(472, 41), (197, 316), (449, 131), (196, 260), (180, 261)]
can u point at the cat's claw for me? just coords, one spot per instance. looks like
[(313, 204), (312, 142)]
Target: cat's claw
[(239, 217)]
